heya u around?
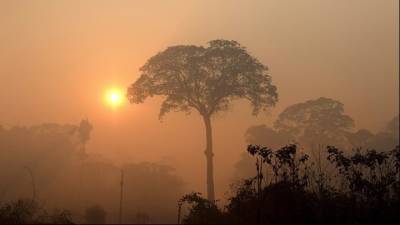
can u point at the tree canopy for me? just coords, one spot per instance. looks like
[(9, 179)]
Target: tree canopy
[(204, 78), (321, 120)]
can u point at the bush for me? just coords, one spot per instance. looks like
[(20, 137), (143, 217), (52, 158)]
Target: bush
[(26, 211), (364, 190)]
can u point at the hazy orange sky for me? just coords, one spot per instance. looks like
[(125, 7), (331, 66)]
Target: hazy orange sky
[(58, 58)]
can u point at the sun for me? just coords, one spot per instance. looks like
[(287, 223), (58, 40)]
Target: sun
[(114, 97)]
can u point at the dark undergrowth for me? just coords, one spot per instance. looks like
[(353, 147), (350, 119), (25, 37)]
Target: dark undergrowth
[(290, 188)]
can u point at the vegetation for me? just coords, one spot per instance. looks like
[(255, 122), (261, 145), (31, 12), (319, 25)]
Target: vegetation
[(362, 188), (312, 126), (322, 119), (48, 165), (323, 122), (27, 211)]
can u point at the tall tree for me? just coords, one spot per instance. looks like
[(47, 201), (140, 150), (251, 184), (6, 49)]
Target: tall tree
[(205, 79), (319, 121)]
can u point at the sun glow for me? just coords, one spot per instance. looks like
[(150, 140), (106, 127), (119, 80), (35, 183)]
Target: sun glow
[(114, 97)]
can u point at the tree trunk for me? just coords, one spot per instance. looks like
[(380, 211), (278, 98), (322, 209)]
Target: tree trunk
[(209, 156), (121, 197)]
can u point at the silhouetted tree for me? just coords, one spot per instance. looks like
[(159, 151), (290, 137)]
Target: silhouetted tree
[(201, 210), (84, 133), (95, 215), (206, 79), (319, 121)]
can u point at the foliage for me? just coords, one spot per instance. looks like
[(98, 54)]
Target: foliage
[(201, 211), (369, 175), (319, 120), (204, 78), (322, 122), (26, 211), (285, 164), (365, 190)]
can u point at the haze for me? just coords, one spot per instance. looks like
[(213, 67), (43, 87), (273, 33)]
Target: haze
[(59, 58)]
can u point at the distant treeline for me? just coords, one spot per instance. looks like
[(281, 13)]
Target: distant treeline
[(47, 167), (312, 125)]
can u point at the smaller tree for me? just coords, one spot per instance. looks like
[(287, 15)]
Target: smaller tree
[(319, 121)]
